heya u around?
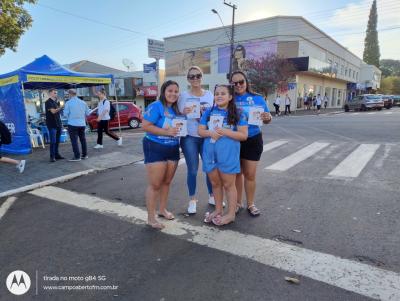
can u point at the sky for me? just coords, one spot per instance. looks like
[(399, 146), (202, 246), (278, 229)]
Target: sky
[(106, 32)]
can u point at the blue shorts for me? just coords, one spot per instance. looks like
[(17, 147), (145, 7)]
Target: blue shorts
[(223, 155), (157, 152)]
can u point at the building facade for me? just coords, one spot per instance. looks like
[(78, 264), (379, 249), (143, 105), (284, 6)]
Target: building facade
[(323, 65)]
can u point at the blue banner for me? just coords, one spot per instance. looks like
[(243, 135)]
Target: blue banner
[(12, 113), (147, 68)]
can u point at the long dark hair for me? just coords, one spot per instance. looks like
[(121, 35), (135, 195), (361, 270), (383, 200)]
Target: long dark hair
[(163, 100), (248, 89), (233, 114)]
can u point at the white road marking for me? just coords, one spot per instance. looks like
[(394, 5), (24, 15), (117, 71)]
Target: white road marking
[(388, 113), (355, 114), (298, 156), (353, 276), (6, 205), (354, 163), (371, 113), (270, 146)]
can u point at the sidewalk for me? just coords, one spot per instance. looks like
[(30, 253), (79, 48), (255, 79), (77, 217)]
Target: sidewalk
[(39, 169), (301, 112)]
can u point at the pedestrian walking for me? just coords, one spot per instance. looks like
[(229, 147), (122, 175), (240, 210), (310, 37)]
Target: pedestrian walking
[(314, 102), (221, 151), (287, 104), (6, 138), (103, 120), (277, 104), (252, 148), (318, 102), (54, 125), (326, 99), (161, 151), (75, 111), (193, 104)]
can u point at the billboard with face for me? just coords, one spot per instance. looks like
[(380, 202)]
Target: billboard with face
[(177, 63)]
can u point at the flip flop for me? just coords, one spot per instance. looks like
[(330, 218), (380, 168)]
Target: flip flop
[(216, 220), (207, 218), (168, 217)]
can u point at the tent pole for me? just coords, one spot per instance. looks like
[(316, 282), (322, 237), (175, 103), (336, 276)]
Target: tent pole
[(117, 109)]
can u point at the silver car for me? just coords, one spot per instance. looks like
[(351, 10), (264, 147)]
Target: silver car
[(364, 102)]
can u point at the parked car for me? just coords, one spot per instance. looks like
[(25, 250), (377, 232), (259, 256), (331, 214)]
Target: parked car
[(364, 102), (396, 100), (387, 101), (130, 116)]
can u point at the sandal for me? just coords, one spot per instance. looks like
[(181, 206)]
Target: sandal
[(238, 208), (253, 210), (216, 220), (156, 225), (207, 218), (169, 216)]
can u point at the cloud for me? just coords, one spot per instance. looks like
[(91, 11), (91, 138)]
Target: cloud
[(354, 18)]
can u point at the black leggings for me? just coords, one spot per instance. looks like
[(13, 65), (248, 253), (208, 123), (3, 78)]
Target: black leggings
[(276, 109), (103, 126)]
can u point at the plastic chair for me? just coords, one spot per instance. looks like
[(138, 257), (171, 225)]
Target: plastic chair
[(36, 137), (45, 133)]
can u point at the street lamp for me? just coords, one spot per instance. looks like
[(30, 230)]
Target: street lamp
[(232, 37)]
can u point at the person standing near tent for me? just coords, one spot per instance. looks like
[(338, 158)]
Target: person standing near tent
[(5, 138), (76, 111), (54, 125), (103, 119)]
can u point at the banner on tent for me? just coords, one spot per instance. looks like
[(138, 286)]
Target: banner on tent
[(12, 113), (67, 79), (9, 80)]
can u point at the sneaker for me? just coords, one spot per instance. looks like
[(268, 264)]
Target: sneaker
[(192, 207), (74, 160), (211, 201), (97, 146), (119, 142), (84, 157), (52, 160), (59, 157), (21, 166)]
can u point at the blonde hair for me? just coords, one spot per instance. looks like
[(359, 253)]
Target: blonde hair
[(194, 68)]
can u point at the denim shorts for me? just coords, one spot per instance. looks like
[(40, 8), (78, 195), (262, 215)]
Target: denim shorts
[(157, 152)]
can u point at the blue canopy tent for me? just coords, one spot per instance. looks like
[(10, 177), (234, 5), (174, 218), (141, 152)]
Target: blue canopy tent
[(42, 73)]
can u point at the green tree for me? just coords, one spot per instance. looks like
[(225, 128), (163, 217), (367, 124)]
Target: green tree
[(371, 44), (14, 21), (269, 73), (386, 85), (390, 67), (396, 86)]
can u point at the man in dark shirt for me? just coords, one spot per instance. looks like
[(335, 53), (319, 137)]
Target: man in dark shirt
[(53, 122)]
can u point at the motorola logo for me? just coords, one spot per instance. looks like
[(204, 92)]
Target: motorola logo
[(18, 282)]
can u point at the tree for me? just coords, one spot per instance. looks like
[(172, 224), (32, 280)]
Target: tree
[(396, 86), (269, 73), (371, 44), (14, 21), (390, 67)]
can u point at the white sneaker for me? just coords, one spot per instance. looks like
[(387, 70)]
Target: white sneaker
[(21, 166), (211, 201), (97, 146), (119, 142), (192, 207)]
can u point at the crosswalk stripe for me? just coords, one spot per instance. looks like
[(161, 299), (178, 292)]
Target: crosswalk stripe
[(371, 113), (274, 144), (349, 275), (355, 113), (298, 156), (388, 113), (6, 205), (354, 163)]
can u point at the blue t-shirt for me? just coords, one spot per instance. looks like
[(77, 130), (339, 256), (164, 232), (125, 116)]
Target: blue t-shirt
[(161, 117), (215, 111), (244, 102)]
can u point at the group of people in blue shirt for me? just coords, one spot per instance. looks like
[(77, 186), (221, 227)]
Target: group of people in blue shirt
[(223, 135)]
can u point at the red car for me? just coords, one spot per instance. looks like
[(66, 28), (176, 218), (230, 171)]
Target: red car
[(130, 116)]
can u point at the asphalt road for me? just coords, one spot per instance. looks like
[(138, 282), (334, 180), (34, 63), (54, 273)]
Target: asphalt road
[(328, 189)]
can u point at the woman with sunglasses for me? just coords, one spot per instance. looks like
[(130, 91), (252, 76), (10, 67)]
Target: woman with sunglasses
[(252, 148), (190, 101)]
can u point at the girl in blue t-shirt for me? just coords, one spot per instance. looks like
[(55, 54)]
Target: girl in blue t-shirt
[(224, 128), (252, 148), (161, 151)]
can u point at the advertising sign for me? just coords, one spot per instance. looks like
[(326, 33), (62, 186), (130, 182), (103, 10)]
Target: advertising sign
[(155, 49)]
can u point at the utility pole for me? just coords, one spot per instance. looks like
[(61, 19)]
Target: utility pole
[(234, 7)]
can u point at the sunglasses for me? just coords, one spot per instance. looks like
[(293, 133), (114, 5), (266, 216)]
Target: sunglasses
[(239, 82), (195, 76)]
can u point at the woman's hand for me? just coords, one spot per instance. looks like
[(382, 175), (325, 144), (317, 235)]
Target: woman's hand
[(220, 131), (214, 135), (266, 117), (172, 131)]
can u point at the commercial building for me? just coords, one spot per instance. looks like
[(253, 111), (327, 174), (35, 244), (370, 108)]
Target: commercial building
[(323, 65)]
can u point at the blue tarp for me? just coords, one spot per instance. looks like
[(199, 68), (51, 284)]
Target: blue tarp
[(42, 73)]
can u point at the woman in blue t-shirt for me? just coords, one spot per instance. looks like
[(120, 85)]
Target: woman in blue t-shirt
[(252, 148), (161, 151), (224, 128)]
